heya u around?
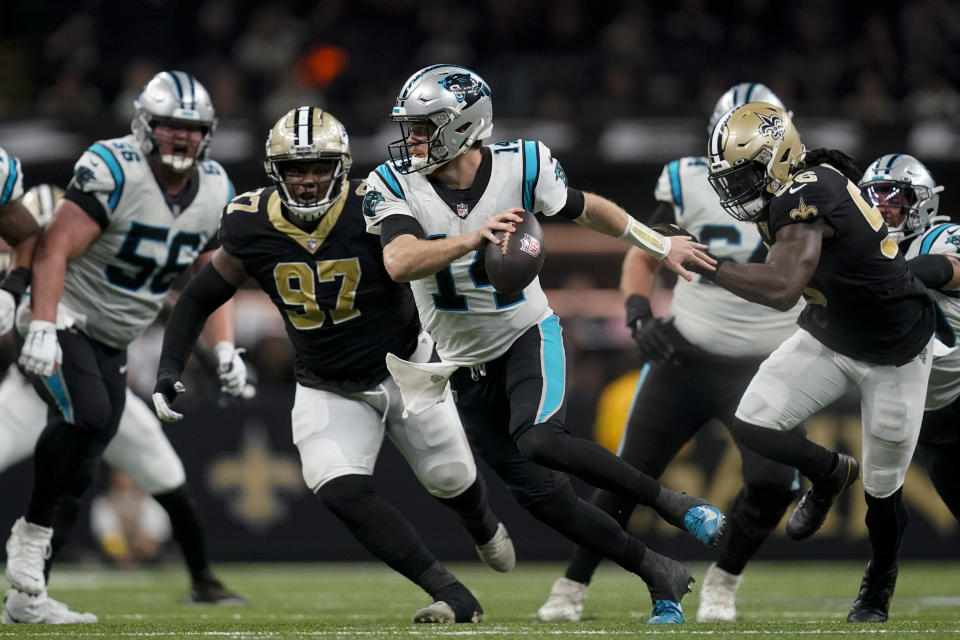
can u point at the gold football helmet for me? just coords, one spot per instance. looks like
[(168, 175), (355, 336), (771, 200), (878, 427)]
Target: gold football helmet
[(753, 150), (41, 200), (308, 141)]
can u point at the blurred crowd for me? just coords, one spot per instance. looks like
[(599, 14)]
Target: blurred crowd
[(883, 62)]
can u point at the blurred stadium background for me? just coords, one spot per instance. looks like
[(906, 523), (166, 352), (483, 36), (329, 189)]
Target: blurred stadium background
[(614, 88)]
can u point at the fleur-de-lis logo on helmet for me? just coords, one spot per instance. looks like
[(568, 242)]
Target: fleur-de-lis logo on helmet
[(771, 125)]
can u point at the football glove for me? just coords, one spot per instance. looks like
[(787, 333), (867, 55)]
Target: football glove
[(651, 335), (230, 368), (164, 393), (41, 353)]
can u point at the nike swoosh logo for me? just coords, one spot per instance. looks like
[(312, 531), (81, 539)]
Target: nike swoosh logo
[(796, 188)]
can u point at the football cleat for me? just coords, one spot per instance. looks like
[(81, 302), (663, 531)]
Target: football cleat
[(212, 591), (718, 596), (28, 548), (565, 603), (498, 553), (706, 523), (812, 510), (24, 608), (666, 612), (873, 601), (437, 613)]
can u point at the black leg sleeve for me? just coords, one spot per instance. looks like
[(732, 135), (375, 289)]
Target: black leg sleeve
[(64, 463), (787, 447), (886, 521), (474, 511), (584, 562), (187, 531)]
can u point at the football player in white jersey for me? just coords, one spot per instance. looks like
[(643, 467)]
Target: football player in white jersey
[(435, 205), (138, 211), (18, 230), (140, 449), (904, 191), (708, 330)]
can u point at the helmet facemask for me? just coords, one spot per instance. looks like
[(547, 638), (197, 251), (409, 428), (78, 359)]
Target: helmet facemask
[(429, 153), (309, 187), (743, 188), (904, 191)]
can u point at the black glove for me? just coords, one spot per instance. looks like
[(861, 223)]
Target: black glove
[(167, 389), (651, 335)]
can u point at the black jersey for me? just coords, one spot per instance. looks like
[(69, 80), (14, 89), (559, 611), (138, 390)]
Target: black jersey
[(862, 300), (342, 311)]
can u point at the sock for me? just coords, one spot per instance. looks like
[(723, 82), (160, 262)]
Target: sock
[(787, 447), (187, 531), (755, 513), (886, 521), (64, 461), (474, 511), (64, 518), (584, 562)]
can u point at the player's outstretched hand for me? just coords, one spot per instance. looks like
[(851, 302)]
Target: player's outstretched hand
[(166, 391), (503, 221), (683, 250), (8, 311), (230, 368), (41, 353)]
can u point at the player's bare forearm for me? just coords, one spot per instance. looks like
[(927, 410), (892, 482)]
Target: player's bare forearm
[(16, 224), (602, 215), (780, 280), (409, 258), (49, 269), (23, 253), (638, 273)]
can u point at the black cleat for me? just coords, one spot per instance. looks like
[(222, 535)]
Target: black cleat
[(812, 510), (873, 601), (212, 591)]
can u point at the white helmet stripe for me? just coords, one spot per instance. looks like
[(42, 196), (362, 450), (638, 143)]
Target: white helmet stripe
[(302, 135)]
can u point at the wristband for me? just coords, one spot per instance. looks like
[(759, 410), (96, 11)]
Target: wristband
[(642, 236)]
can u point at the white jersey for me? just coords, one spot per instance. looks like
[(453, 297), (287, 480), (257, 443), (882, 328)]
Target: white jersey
[(709, 316), (11, 178), (944, 385), (469, 321), (116, 287)]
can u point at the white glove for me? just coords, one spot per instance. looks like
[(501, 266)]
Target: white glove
[(230, 368), (161, 402), (8, 311), (41, 353)]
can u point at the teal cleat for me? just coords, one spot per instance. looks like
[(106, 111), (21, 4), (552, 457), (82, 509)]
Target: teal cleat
[(706, 523), (666, 612)]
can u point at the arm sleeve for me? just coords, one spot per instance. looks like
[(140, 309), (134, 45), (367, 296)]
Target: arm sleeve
[(934, 271), (573, 209), (393, 226), (201, 297)]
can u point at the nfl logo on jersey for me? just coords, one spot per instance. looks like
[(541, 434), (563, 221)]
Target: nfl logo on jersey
[(463, 209), (529, 244), (311, 244)]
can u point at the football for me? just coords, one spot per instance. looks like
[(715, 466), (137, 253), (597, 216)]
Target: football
[(516, 261)]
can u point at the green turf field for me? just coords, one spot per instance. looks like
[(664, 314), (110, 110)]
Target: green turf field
[(803, 600)]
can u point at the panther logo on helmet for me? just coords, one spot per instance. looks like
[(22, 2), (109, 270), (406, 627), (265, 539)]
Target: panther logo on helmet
[(464, 87)]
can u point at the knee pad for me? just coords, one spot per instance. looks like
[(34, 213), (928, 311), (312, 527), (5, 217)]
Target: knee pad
[(757, 509), (340, 493), (449, 478)]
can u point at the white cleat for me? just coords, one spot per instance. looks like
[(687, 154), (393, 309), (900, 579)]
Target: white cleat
[(498, 553), (24, 608), (28, 547), (718, 596), (565, 603), (437, 613)]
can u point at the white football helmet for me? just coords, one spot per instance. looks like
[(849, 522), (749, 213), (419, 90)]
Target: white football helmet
[(308, 134), (753, 151), (905, 192), (740, 94), (175, 98), (454, 105)]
